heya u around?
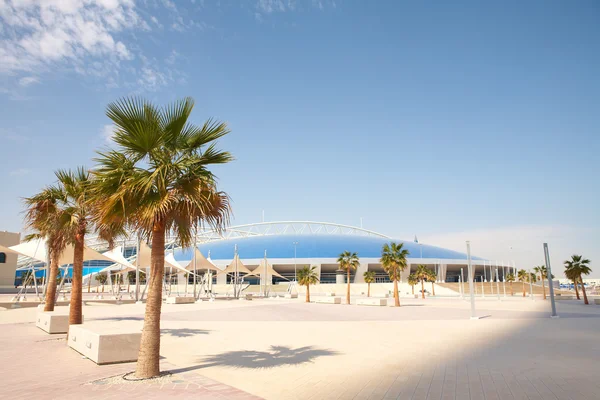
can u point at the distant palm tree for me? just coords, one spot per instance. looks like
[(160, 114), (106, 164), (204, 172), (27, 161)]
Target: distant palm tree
[(422, 273), (369, 278), (510, 278), (393, 260), (431, 278), (45, 216), (575, 268), (307, 276), (157, 180), (570, 274), (348, 262), (101, 278), (543, 273), (522, 276), (412, 281)]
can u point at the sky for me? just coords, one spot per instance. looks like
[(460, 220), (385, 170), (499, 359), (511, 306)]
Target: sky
[(449, 121)]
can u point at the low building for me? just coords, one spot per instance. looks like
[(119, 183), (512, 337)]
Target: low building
[(8, 261)]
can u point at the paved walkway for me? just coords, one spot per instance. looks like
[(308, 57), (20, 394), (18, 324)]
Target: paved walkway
[(286, 349)]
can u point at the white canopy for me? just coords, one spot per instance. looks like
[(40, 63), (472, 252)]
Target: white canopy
[(36, 249), (231, 268), (116, 256), (171, 262), (201, 263), (260, 270), (144, 255)]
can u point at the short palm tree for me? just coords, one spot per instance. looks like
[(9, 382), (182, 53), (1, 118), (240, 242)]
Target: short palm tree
[(522, 277), (574, 269), (348, 262), (412, 281), (156, 180), (44, 215), (307, 276), (369, 278), (101, 278), (431, 278), (510, 278), (393, 260), (422, 273), (543, 274)]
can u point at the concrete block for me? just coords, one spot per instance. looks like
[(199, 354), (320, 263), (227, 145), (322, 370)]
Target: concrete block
[(248, 296), (105, 344), (328, 300), (371, 302), (330, 294), (52, 321), (564, 297), (291, 295), (597, 301), (180, 300)]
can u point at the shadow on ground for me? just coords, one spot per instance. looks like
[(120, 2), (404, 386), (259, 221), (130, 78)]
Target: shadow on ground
[(276, 356), (183, 332)]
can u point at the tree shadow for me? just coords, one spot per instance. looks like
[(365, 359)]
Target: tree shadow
[(118, 319), (183, 332), (276, 356)]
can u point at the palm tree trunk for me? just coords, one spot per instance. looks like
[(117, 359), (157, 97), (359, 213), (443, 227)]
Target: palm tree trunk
[(544, 288), (149, 355), (369, 289), (348, 288), (576, 289), (396, 295), (308, 293), (76, 294), (512, 293), (413, 289), (523, 288), (433, 288), (51, 289), (422, 290), (585, 299)]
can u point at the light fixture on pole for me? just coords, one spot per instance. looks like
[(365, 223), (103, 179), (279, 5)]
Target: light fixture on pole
[(295, 267)]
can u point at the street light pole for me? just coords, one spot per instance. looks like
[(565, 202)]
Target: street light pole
[(550, 285), (469, 271)]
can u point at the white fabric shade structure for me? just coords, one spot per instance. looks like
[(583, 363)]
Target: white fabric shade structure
[(202, 263), (270, 272), (116, 256), (231, 268), (36, 250), (171, 262)]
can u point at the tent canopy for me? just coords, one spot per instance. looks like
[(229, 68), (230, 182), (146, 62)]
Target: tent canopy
[(201, 263), (231, 268), (260, 270)]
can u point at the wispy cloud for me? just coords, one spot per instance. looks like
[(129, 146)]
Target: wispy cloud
[(20, 172), (28, 80), (107, 132)]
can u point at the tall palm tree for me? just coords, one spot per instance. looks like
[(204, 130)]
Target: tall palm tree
[(348, 262), (369, 278), (156, 180), (510, 278), (522, 277), (422, 273), (576, 267), (44, 215), (431, 278), (412, 281), (393, 260), (307, 276), (543, 273)]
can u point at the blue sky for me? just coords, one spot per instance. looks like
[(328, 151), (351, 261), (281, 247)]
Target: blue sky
[(448, 120)]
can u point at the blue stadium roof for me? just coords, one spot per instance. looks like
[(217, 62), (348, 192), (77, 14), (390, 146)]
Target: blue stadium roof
[(312, 246)]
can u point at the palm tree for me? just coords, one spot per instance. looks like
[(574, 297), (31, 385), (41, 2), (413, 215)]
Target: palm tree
[(412, 281), (156, 180), (570, 274), (422, 273), (307, 276), (522, 276), (44, 215), (576, 267), (369, 278), (431, 278), (348, 261), (393, 260), (543, 273), (510, 278), (101, 278)]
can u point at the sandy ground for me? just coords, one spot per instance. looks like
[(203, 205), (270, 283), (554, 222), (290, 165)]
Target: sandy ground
[(287, 349)]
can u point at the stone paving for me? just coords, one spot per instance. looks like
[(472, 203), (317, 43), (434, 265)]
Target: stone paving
[(286, 349)]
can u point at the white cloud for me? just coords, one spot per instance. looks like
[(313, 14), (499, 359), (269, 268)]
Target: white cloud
[(28, 80), (523, 244), (107, 132), (151, 79), (20, 172)]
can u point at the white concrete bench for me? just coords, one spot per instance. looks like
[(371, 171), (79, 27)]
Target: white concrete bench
[(329, 294), (371, 302), (52, 321), (328, 300), (563, 297), (291, 295), (106, 344), (180, 300), (597, 301)]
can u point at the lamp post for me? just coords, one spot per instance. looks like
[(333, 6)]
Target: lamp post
[(550, 283), (295, 266), (469, 272)]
